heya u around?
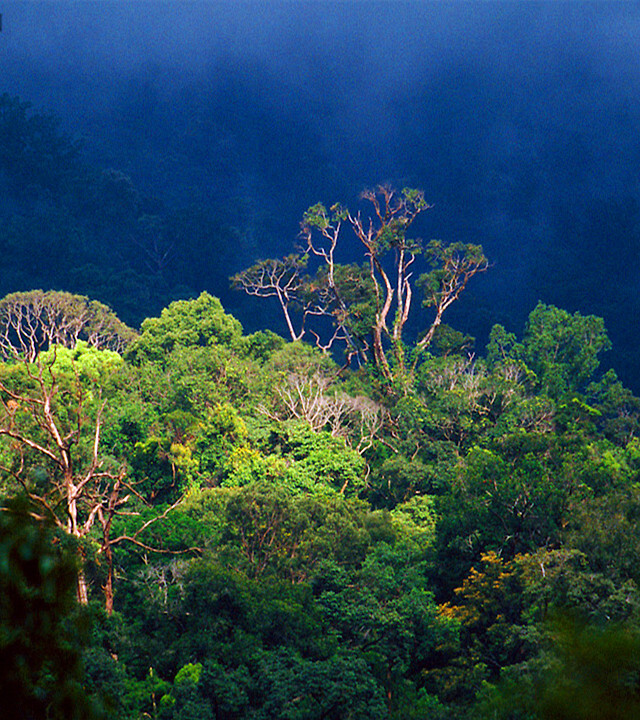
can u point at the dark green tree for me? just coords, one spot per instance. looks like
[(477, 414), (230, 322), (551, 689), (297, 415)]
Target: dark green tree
[(40, 635), (563, 349)]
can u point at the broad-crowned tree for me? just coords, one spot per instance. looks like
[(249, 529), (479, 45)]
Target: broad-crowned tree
[(35, 320), (201, 322)]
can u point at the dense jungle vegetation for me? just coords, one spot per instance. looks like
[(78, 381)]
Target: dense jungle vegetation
[(370, 519), (255, 532)]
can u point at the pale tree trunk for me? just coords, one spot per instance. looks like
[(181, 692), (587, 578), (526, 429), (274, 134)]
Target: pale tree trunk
[(72, 529), (108, 586), (82, 593), (379, 356)]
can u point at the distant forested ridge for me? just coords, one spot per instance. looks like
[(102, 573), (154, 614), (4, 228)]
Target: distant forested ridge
[(227, 525), (68, 225)]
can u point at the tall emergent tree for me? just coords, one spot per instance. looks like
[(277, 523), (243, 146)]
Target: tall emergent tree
[(366, 307)]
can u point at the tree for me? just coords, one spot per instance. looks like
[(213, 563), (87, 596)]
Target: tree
[(589, 673), (336, 288), (619, 408), (281, 279), (51, 416), (108, 508), (382, 608), (560, 353), (384, 230), (52, 422), (200, 322), (453, 266), (316, 400), (563, 349), (489, 606), (36, 320), (367, 306)]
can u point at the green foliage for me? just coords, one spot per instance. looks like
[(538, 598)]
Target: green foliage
[(40, 634), (503, 346), (619, 409), (262, 345), (356, 291), (489, 608), (447, 340), (268, 529), (415, 523), (319, 462), (222, 448), (590, 672), (345, 546), (91, 366), (563, 349), (301, 358), (339, 687), (384, 608), (443, 258), (595, 675), (605, 528), (318, 217), (185, 323), (49, 412)]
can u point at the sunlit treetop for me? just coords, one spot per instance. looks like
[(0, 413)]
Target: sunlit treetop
[(186, 323)]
